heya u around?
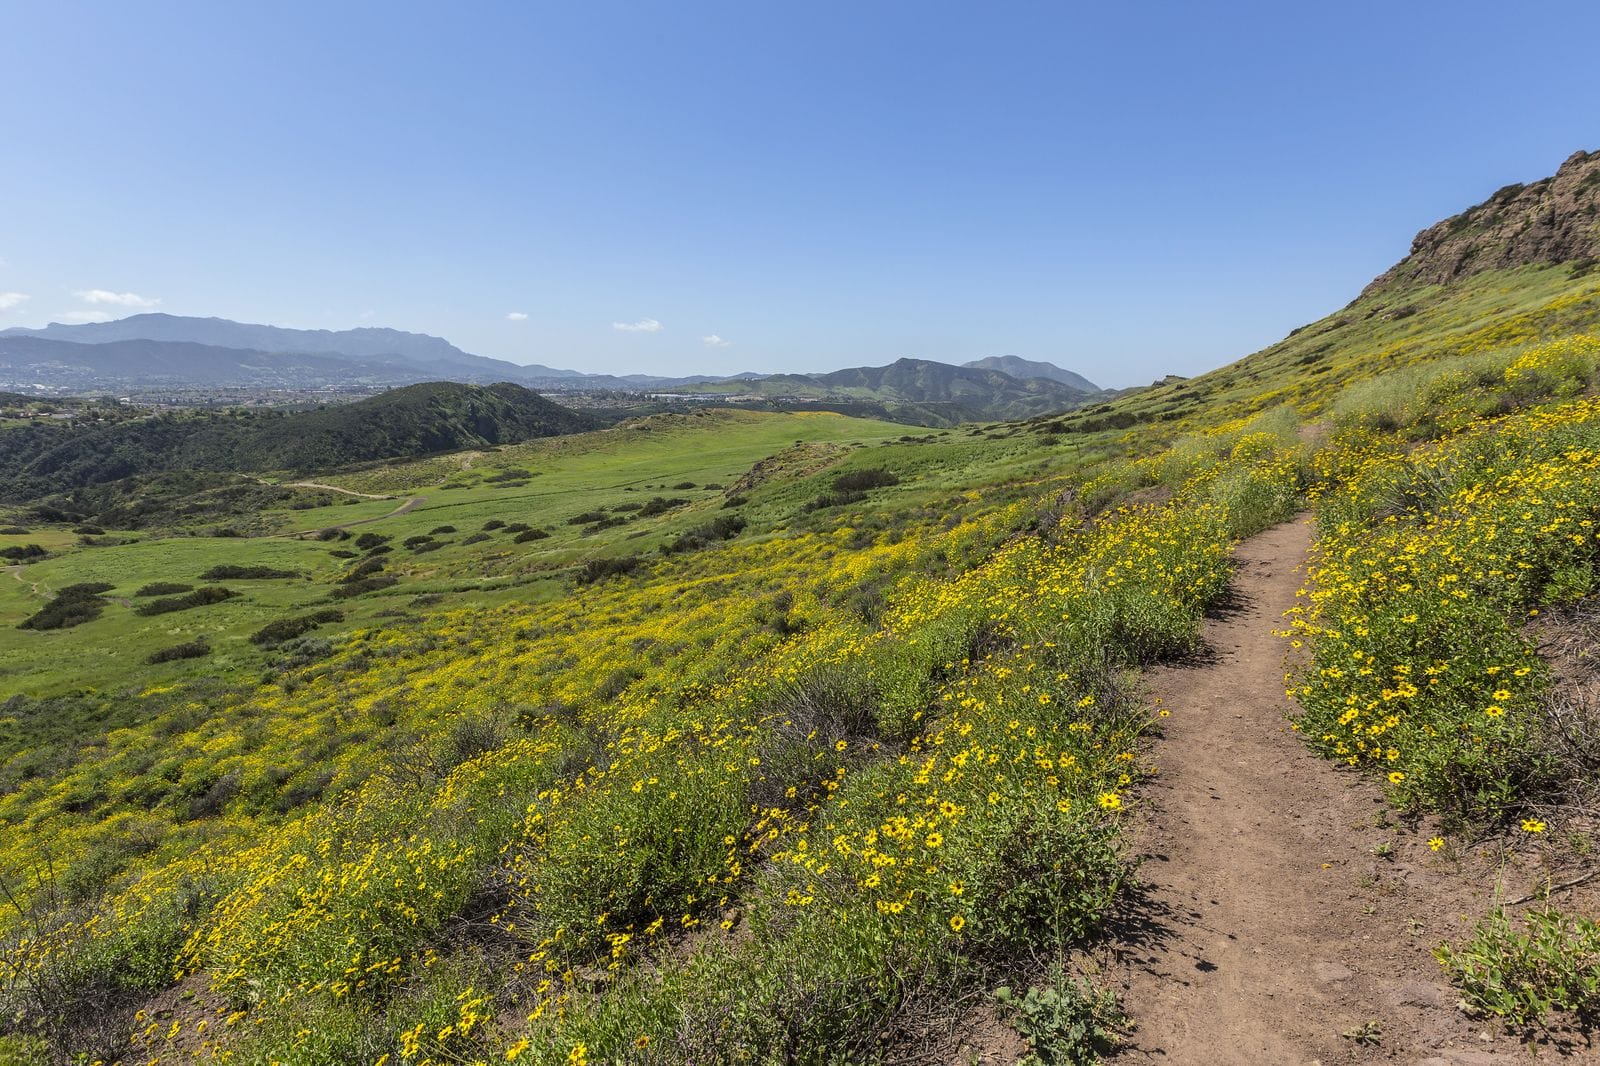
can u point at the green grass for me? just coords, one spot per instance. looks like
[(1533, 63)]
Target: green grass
[(595, 470)]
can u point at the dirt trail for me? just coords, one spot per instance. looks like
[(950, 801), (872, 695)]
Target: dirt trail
[(336, 488), (1270, 930), (413, 502)]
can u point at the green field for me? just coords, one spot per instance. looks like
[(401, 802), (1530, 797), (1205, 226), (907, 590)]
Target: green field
[(571, 475)]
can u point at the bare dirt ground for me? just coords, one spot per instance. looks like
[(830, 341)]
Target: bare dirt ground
[(1286, 916), (413, 502)]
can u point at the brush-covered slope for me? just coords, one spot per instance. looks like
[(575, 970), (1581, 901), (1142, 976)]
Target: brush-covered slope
[(922, 391), (417, 420)]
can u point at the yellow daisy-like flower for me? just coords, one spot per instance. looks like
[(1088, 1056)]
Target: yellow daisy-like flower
[(1500, 695), (1435, 843), (1110, 801), (957, 922), (934, 840), (1532, 825), (1494, 710), (1396, 777)]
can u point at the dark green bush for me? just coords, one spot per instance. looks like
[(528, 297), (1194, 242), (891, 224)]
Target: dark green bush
[(163, 588), (723, 527), (201, 597), (659, 505), (366, 584), (229, 572), (194, 649), (862, 480), (284, 629), (72, 606), (600, 569)]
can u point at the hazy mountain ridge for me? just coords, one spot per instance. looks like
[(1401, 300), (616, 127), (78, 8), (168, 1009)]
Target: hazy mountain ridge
[(1022, 369), (174, 351)]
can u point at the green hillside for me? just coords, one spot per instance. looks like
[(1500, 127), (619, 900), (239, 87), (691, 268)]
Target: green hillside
[(918, 391), (40, 460)]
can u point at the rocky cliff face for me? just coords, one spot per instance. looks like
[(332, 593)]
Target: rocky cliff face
[(1556, 220)]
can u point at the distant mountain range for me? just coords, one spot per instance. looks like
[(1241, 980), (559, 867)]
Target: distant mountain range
[(1022, 369), (169, 351)]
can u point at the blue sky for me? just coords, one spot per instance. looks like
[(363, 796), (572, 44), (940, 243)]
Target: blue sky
[(1126, 190)]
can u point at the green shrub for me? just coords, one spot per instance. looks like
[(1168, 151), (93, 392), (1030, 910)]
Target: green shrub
[(1064, 1021), (193, 649), (72, 606), (862, 480), (201, 597), (163, 588), (660, 505), (723, 527), (600, 569), (349, 589), (288, 628), (229, 572), (1551, 964)]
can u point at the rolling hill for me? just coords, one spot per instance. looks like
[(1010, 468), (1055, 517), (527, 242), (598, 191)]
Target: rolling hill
[(38, 460)]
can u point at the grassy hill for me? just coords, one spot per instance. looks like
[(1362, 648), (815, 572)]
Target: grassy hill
[(791, 737), (42, 460), (919, 391)]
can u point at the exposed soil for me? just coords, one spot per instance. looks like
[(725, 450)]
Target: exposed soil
[(1274, 924), (413, 502), (350, 492)]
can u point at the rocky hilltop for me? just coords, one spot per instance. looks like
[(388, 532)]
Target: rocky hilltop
[(1556, 220)]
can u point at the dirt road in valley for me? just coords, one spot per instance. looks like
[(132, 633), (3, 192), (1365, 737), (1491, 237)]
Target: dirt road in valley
[(1270, 930)]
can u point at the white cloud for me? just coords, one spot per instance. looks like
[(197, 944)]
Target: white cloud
[(715, 341), (84, 316), (644, 325), (120, 299), (516, 316), (8, 300)]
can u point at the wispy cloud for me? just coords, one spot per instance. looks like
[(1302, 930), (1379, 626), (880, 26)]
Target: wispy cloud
[(84, 316), (8, 300), (644, 325), (516, 316), (118, 299), (715, 341)]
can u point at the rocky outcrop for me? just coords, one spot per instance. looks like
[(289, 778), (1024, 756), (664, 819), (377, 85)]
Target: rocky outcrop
[(1556, 220)]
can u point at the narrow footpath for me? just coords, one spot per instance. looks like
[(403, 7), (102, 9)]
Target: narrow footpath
[(1286, 917)]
